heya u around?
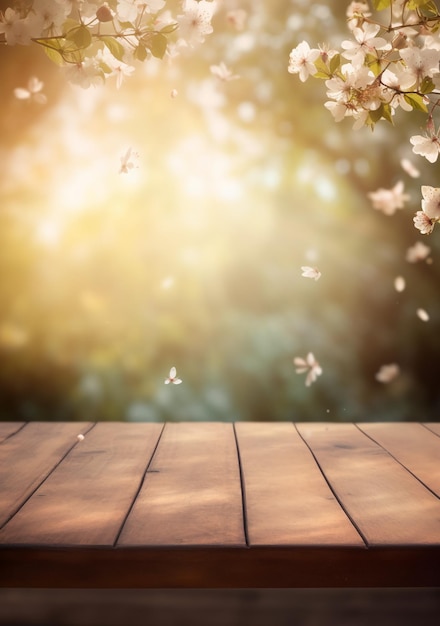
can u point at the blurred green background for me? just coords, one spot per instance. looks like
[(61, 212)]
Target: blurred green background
[(193, 259)]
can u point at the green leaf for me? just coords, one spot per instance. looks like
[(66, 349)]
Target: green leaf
[(115, 47), (140, 53), (374, 64), (376, 115), (54, 49), (379, 5), (125, 25), (323, 75), (427, 85), (387, 113), (429, 9), (335, 63), (105, 68), (54, 55), (416, 4), (70, 24), (158, 45), (416, 101), (322, 71), (169, 28), (80, 36)]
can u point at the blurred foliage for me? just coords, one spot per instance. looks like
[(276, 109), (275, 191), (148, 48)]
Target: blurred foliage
[(193, 259)]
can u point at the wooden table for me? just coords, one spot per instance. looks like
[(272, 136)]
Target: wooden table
[(219, 505)]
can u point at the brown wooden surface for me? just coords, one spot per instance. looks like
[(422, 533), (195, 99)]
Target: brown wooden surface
[(28, 457), (221, 567), (192, 493), (9, 428), (288, 500), (387, 504), (413, 445), (433, 427), (219, 505), (85, 499)]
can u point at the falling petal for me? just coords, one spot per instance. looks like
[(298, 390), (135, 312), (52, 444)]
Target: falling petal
[(309, 365), (409, 168), (399, 283), (22, 94), (387, 373), (310, 272), (423, 315), (172, 378)]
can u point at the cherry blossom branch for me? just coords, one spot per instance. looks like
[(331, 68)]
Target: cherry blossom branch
[(376, 73)]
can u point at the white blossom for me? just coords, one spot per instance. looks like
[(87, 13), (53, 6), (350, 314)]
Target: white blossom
[(365, 43), (18, 30), (172, 378), (195, 23), (50, 14), (128, 10), (32, 92), (418, 252), (302, 61), (423, 223), (431, 201), (421, 63), (427, 146), (389, 200), (119, 69), (85, 73), (395, 80), (309, 365), (223, 72)]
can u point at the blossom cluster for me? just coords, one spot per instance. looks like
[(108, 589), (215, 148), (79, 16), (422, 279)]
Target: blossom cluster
[(94, 40), (386, 65)]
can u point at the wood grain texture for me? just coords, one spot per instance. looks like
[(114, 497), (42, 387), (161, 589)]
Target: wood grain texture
[(211, 568), (413, 445), (288, 501), (28, 457), (86, 498), (192, 492), (387, 504), (9, 428), (433, 427)]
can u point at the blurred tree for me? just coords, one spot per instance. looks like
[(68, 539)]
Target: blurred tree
[(193, 258)]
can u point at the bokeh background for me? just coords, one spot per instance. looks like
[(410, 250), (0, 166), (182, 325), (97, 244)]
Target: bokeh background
[(192, 259)]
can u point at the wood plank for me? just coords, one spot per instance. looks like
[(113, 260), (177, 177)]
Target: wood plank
[(86, 498), (288, 501), (413, 445), (387, 504), (28, 458), (9, 428), (227, 567), (433, 426), (192, 492)]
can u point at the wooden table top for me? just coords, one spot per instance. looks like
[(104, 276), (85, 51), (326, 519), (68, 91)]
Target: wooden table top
[(219, 504)]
